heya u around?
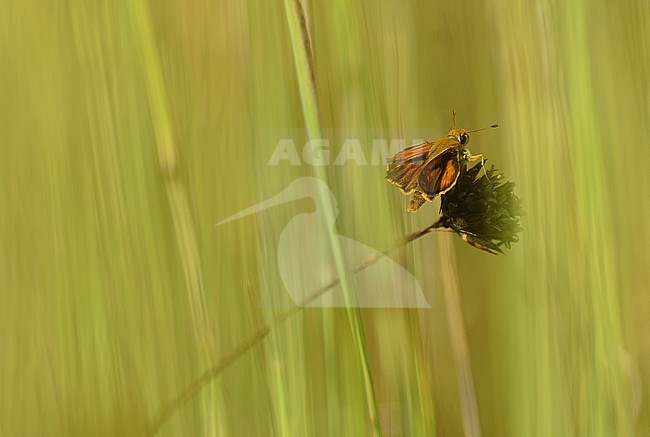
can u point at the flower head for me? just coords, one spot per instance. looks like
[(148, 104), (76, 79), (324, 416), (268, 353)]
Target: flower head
[(483, 210)]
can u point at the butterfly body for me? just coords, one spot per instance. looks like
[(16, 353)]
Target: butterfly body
[(429, 169)]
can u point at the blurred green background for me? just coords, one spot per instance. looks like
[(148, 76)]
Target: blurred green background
[(129, 128)]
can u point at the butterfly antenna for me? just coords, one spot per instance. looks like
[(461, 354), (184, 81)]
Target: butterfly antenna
[(453, 117), (493, 126)]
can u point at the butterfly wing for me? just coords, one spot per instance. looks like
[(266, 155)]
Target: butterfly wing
[(403, 168), (439, 174)]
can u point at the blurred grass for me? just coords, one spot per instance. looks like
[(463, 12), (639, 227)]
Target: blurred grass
[(127, 129)]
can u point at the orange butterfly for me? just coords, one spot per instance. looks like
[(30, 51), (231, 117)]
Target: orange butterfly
[(431, 168)]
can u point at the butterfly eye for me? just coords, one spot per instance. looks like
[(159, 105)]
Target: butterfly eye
[(463, 138)]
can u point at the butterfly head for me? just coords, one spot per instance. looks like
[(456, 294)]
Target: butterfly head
[(460, 135)]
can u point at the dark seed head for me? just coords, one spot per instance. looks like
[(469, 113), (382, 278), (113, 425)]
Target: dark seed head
[(483, 210)]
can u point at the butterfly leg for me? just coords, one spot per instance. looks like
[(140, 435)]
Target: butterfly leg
[(476, 158)]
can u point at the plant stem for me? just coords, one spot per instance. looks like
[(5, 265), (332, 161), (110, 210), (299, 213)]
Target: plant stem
[(199, 383), (459, 346), (303, 59)]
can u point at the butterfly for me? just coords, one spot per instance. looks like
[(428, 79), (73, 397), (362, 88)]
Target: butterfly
[(432, 168)]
